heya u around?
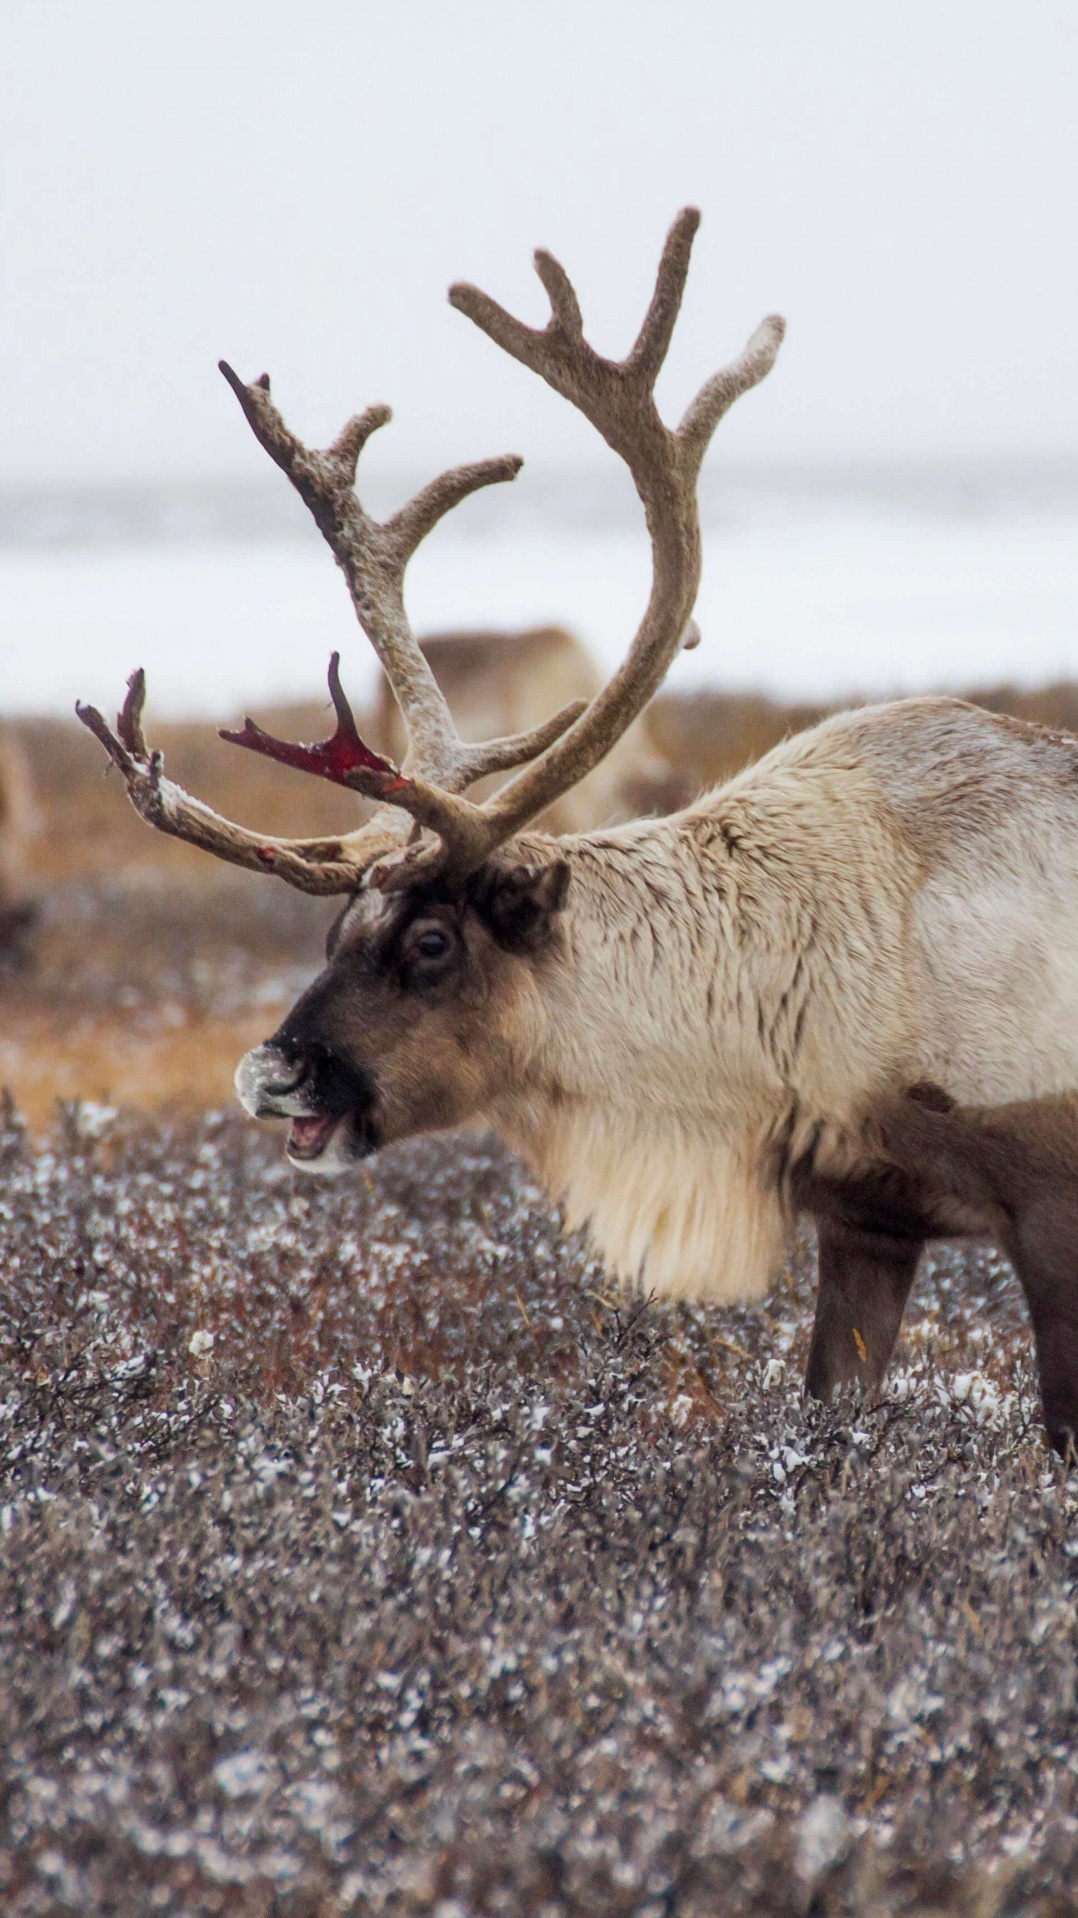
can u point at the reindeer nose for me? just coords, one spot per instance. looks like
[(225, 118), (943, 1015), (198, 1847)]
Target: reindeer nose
[(295, 1071), (277, 1088), (268, 1073)]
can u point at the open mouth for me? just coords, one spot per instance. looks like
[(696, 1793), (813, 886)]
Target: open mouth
[(308, 1138)]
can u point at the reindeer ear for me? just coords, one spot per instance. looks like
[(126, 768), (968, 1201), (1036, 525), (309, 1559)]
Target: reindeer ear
[(520, 903)]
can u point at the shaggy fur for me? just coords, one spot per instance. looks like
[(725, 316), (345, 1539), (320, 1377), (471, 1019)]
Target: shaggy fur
[(801, 937)]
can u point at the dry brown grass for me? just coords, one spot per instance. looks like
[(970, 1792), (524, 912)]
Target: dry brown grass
[(183, 1062)]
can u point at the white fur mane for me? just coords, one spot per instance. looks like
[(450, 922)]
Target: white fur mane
[(669, 1208)]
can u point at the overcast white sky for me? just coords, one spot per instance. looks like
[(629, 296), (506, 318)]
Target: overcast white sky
[(294, 186)]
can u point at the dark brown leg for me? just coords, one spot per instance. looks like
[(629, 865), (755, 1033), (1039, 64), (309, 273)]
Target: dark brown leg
[(865, 1280), (1045, 1257)]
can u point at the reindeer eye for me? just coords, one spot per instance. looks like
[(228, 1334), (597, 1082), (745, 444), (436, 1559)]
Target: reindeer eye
[(432, 945), (427, 945)]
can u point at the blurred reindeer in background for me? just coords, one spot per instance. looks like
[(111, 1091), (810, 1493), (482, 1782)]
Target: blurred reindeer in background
[(496, 683), (663, 1017), (18, 915), (702, 737)]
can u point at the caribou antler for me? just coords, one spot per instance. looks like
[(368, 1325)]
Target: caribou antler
[(618, 398), (373, 557), (312, 865), (438, 765)]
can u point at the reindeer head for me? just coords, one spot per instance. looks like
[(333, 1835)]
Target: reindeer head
[(414, 1021), (425, 1011)]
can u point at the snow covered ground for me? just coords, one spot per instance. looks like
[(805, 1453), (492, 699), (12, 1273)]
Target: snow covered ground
[(813, 586)]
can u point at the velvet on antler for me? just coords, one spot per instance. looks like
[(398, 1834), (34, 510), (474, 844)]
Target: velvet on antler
[(457, 835)]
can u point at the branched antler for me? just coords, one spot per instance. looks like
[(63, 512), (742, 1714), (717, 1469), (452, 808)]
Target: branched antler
[(373, 557), (312, 865), (617, 396)]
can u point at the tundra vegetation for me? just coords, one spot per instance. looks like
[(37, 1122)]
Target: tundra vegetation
[(362, 1553)]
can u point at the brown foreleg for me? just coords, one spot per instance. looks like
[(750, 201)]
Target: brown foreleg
[(865, 1280)]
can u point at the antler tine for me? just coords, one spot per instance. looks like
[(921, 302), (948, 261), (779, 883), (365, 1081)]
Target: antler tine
[(560, 291), (347, 760), (311, 865), (353, 437), (129, 719), (657, 331), (718, 394), (413, 522), (289, 453), (502, 755)]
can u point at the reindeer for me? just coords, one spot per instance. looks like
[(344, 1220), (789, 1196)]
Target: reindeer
[(18, 914), (647, 1013), (703, 737)]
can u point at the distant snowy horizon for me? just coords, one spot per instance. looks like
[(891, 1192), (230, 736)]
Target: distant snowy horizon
[(820, 582), (169, 509)]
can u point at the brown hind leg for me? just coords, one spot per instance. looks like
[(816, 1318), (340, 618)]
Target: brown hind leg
[(1044, 1252), (865, 1280)]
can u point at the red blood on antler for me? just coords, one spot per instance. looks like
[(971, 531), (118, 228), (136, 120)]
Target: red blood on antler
[(338, 759)]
